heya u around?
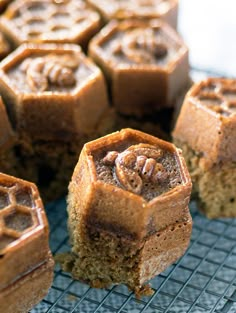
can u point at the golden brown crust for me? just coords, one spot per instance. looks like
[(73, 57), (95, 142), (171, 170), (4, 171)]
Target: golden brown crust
[(132, 57), (117, 235), (39, 115), (112, 205), (24, 228), (27, 291), (70, 21), (207, 120)]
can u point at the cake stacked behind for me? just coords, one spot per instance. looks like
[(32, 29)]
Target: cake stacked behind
[(145, 63), (206, 132), (26, 264), (56, 99), (44, 21)]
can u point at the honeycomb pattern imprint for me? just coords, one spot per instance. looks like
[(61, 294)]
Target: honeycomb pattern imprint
[(17, 213), (209, 112), (218, 96), (50, 21), (23, 229)]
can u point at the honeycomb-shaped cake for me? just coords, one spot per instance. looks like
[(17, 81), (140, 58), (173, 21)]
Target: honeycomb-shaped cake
[(113, 9), (23, 229), (207, 121), (146, 64), (70, 21), (132, 183), (53, 92)]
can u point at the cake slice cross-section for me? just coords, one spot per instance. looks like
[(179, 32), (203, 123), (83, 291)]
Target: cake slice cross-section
[(206, 132)]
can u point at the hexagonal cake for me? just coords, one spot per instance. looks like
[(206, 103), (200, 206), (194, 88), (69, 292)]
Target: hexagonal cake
[(145, 62), (25, 258), (128, 210), (206, 132), (56, 99), (51, 90), (113, 9), (66, 21)]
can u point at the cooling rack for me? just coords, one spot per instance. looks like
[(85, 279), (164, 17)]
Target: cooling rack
[(203, 280)]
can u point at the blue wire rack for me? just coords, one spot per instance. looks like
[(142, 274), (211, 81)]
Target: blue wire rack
[(203, 280)]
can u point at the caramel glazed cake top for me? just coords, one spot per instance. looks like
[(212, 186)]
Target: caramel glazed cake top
[(132, 178), (210, 104), (140, 168), (143, 168), (23, 229), (141, 43), (42, 85), (45, 21)]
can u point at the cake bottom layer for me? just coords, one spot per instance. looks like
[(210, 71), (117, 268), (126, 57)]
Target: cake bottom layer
[(102, 258), (28, 290), (213, 187)]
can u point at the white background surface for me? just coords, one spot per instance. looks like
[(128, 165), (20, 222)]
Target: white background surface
[(209, 29)]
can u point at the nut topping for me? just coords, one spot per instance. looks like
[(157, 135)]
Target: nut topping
[(127, 159), (128, 178), (136, 164), (110, 157), (43, 71)]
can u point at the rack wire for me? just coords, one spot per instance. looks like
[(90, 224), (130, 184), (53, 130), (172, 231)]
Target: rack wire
[(203, 280)]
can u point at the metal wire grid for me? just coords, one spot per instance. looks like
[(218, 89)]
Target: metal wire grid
[(203, 280)]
